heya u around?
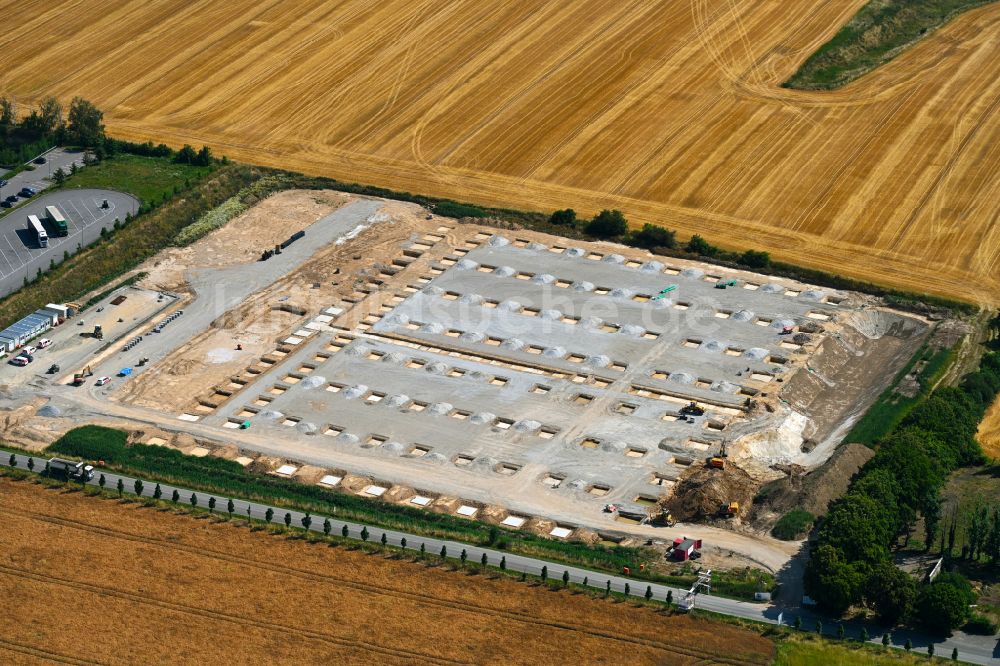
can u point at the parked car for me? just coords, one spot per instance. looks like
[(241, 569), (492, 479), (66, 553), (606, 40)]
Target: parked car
[(3, 182), (28, 350), (6, 204), (43, 343), (101, 381), (40, 159), (19, 361), (27, 192), (12, 198)]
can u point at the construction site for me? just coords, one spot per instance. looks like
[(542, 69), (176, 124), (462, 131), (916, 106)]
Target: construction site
[(580, 390)]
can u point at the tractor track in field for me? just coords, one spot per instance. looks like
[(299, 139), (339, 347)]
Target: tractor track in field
[(368, 588), (47, 655), (103, 590), (485, 101)]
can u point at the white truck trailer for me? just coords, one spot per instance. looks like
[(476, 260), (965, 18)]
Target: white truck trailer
[(35, 226)]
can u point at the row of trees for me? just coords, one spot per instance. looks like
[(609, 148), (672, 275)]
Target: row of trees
[(82, 125), (26, 135), (850, 562), (612, 225)]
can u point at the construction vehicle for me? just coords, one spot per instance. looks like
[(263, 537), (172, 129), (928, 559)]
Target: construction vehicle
[(663, 517), (70, 469), (142, 361), (80, 377), (693, 409), (98, 332), (730, 510), (716, 462), (722, 284), (687, 602), (54, 368)]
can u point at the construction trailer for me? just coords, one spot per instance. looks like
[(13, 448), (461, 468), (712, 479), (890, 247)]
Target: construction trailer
[(51, 318), (7, 344), (684, 548), (63, 312), (18, 333)]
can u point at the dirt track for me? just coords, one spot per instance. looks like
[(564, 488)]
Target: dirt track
[(669, 109), (142, 584)]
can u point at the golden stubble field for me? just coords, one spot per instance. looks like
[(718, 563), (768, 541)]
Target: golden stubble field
[(989, 432), (669, 109), (89, 580)]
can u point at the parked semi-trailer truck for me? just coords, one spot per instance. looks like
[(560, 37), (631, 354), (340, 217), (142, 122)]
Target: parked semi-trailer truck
[(35, 226), (57, 220)]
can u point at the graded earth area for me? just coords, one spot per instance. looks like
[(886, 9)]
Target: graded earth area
[(159, 587), (669, 109), (560, 387)]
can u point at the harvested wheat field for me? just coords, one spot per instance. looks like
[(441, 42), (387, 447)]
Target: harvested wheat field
[(668, 109), (989, 432), (140, 584)]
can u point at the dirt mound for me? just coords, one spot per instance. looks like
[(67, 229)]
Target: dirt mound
[(812, 492), (701, 495), (184, 366)]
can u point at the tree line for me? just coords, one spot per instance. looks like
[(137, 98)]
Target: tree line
[(25, 135), (612, 225), (850, 562)]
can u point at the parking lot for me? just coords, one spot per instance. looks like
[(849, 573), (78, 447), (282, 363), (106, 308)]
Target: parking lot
[(20, 255), (40, 176)]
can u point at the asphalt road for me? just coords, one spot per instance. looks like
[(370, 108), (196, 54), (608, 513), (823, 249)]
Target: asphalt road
[(973, 649), (20, 254)]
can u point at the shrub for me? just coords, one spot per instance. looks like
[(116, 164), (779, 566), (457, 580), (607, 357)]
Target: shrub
[(210, 221), (980, 624), (942, 607), (701, 247), (230, 208), (793, 525), (93, 443), (653, 237), (608, 224), (458, 210), (755, 259), (563, 218)]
